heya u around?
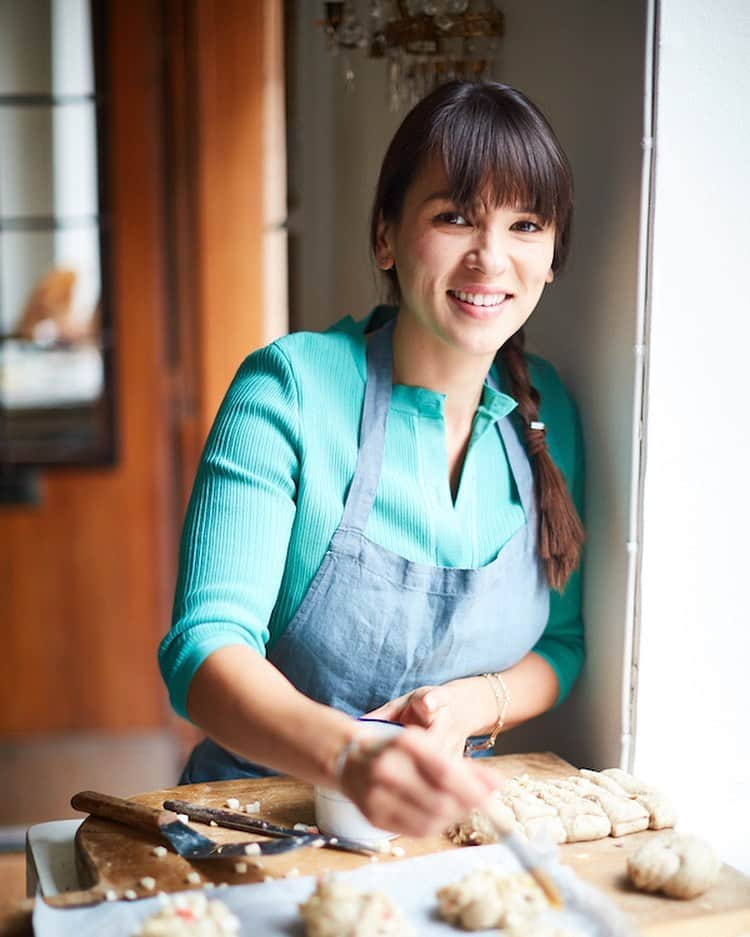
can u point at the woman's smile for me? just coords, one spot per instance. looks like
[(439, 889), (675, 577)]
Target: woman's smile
[(480, 304)]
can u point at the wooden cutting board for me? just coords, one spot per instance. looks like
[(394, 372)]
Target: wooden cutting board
[(114, 857)]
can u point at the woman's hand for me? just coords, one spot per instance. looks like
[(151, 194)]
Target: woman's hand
[(430, 708), (409, 786)]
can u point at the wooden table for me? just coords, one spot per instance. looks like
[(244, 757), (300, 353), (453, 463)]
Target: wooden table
[(114, 857)]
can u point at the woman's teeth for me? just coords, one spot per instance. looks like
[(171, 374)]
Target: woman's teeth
[(479, 299)]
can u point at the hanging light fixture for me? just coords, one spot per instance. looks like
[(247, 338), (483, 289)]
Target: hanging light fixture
[(424, 42)]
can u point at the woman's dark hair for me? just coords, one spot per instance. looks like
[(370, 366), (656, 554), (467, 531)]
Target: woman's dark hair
[(494, 143)]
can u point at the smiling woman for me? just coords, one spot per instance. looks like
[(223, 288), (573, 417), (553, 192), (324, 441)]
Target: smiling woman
[(411, 554), (475, 200)]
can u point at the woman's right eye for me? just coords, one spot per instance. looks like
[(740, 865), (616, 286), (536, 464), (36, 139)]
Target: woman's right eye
[(451, 218)]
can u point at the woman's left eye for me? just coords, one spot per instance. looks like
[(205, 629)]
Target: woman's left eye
[(527, 226)]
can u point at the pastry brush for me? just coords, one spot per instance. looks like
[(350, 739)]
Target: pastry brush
[(562, 888)]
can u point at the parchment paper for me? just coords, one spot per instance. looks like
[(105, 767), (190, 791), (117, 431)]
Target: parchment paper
[(270, 908)]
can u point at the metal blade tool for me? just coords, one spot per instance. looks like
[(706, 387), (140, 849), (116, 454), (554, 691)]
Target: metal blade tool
[(234, 820), (183, 839)]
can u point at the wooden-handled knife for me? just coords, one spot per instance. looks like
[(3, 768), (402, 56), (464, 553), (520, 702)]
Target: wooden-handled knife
[(183, 839), (239, 821)]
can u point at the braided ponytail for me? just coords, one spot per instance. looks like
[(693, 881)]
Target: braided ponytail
[(560, 529)]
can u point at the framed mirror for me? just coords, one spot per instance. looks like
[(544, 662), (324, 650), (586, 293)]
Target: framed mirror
[(56, 333)]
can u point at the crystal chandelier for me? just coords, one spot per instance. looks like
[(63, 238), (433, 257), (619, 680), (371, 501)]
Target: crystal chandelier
[(424, 42)]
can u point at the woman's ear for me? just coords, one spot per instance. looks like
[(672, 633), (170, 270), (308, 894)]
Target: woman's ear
[(383, 253), (550, 276)]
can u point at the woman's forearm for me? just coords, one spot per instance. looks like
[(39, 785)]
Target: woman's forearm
[(407, 785), (243, 702), (532, 686)]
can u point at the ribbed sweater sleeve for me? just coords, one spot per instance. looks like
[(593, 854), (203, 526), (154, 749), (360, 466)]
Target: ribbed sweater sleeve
[(236, 532)]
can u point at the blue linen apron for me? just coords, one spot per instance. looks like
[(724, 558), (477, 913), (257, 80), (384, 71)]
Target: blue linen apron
[(374, 625)]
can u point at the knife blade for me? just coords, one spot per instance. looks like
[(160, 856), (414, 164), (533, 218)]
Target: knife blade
[(185, 841), (239, 821)]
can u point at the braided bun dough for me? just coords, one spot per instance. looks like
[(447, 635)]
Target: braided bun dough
[(190, 915), (491, 898), (335, 909), (679, 866)]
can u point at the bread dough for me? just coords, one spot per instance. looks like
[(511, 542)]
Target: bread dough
[(661, 814), (491, 897), (549, 828), (660, 811), (190, 915), (625, 815), (604, 780), (335, 909), (627, 782), (583, 819), (576, 809), (537, 819), (677, 865), (477, 829), (528, 807)]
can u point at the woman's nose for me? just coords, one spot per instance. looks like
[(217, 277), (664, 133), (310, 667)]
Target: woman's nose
[(489, 254)]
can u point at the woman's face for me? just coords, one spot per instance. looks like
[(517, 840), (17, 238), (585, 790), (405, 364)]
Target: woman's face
[(470, 282)]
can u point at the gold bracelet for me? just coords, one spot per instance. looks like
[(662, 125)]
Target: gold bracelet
[(502, 707), (502, 704)]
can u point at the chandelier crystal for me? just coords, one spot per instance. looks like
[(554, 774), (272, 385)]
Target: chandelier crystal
[(423, 42)]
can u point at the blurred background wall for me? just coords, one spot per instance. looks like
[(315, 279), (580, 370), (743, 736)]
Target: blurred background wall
[(193, 98)]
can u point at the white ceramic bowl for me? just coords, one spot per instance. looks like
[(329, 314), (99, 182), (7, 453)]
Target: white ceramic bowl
[(336, 815)]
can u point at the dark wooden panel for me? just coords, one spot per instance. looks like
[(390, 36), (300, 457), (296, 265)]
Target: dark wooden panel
[(230, 210), (87, 574)]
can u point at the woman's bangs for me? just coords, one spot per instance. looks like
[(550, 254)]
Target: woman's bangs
[(497, 160)]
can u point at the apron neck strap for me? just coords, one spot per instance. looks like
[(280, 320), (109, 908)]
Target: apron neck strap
[(510, 433), (361, 495), (377, 403)]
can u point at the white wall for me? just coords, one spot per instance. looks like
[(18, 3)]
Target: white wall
[(337, 144), (692, 706), (582, 61)]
